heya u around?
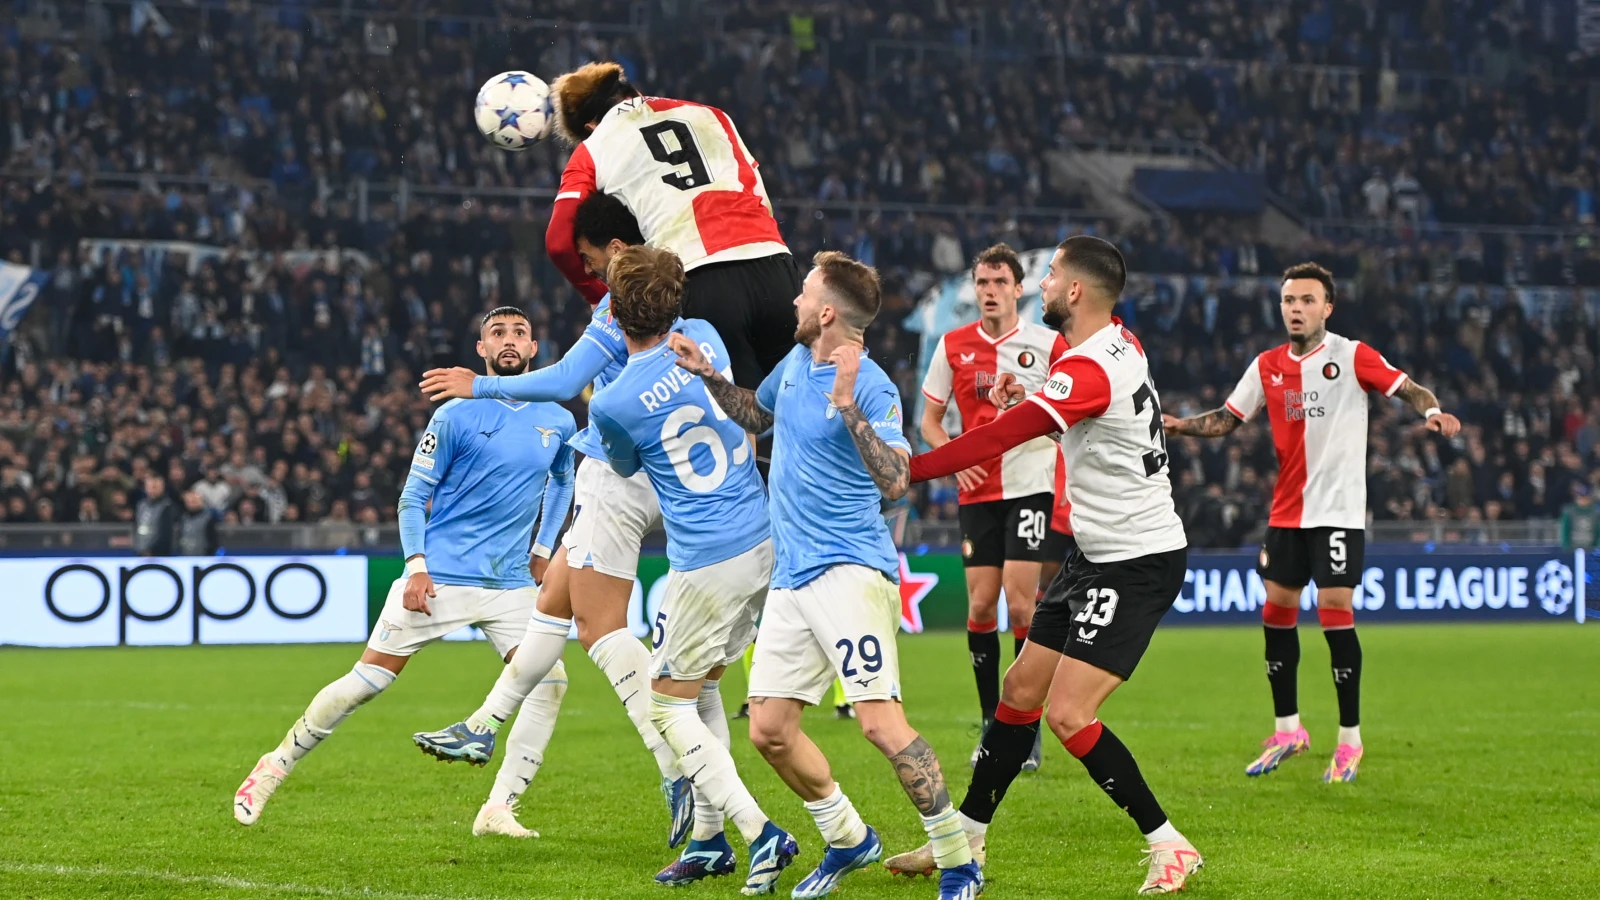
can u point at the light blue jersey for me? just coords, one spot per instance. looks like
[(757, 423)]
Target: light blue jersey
[(825, 506), (659, 417), (485, 464), (597, 358)]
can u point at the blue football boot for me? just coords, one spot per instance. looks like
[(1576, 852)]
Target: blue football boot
[(457, 742), (711, 858), (837, 863)]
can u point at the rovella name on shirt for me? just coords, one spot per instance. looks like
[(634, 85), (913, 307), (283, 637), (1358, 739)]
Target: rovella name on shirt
[(676, 379)]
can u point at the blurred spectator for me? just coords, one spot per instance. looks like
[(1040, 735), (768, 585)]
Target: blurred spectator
[(155, 520), (1580, 520), (196, 527)]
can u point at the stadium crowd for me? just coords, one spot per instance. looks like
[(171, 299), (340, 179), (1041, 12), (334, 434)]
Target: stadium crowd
[(275, 378)]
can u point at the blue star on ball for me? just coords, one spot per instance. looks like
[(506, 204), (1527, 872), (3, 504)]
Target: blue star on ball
[(508, 117), (516, 78)]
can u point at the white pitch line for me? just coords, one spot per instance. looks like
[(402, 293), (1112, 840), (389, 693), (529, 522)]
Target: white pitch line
[(223, 881)]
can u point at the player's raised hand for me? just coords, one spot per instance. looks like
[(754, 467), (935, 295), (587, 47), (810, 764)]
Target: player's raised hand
[(448, 384), (419, 588), (1444, 423), (1169, 424), (846, 360), (1006, 392), (689, 355)]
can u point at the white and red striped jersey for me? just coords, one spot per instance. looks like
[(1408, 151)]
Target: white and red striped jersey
[(1100, 396), (686, 175), (965, 365), (1317, 405)]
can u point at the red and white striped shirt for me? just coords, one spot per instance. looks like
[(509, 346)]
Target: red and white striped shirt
[(1317, 405), (686, 175), (965, 365)]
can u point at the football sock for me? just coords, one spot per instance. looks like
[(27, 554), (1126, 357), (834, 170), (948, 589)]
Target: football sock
[(707, 817), (837, 819), (626, 664), (1163, 834), (949, 840), (1114, 769), (983, 643), (1283, 660), (530, 734), (332, 705), (708, 764), (1344, 648), (1006, 745), (1019, 636), (533, 662), (1350, 735)]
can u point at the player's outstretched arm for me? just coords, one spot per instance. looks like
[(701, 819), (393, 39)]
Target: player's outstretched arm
[(1014, 426), (890, 467), (1216, 423), (561, 382), (739, 403), (1427, 405)]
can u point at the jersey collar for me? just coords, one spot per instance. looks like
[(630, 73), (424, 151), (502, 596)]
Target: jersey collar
[(676, 326), (997, 341), (1313, 352), (825, 364)]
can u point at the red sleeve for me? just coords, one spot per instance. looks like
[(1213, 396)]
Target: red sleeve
[(577, 182), (1077, 389), (984, 443), (1374, 373), (1061, 346)]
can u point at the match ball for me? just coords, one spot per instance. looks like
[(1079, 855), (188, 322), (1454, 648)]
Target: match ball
[(513, 110)]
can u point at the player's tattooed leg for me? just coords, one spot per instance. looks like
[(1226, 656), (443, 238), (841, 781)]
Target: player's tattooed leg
[(921, 777)]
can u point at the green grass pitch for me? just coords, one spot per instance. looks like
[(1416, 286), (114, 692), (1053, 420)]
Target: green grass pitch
[(1482, 778)]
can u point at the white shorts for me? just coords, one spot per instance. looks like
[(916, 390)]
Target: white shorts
[(502, 614), (708, 616), (843, 625), (611, 516)]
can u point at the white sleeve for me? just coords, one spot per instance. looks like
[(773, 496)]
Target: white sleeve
[(1248, 397), (940, 381)]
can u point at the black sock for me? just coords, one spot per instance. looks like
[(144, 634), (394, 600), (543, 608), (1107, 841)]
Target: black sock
[(1283, 664), (1114, 769), (984, 646), (1005, 747), (1345, 649)]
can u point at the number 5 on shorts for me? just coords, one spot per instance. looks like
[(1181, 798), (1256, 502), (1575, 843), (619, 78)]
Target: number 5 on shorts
[(659, 633), (1106, 598)]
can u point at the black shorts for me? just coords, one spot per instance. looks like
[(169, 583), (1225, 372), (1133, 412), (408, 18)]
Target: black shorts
[(1000, 530), (1058, 545), (1332, 557), (751, 304), (1105, 613)]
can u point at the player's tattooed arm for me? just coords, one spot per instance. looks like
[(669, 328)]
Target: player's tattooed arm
[(889, 467), (1427, 406), (921, 777), (1216, 423), (739, 403)]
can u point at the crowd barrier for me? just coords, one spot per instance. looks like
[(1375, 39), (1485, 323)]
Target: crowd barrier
[(123, 600)]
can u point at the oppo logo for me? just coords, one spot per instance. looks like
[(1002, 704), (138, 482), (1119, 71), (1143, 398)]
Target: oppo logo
[(155, 592)]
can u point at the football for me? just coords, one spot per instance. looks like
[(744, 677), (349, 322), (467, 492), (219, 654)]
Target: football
[(513, 110)]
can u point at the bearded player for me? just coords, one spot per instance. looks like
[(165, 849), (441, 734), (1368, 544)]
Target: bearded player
[(1005, 502), (1315, 391), (483, 465), (1098, 615), (593, 574), (689, 179)]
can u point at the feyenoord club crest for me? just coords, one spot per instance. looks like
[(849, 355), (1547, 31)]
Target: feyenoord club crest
[(966, 548), (1025, 359), (1330, 371), (1264, 558)]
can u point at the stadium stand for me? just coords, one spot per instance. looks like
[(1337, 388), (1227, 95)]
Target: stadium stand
[(338, 223)]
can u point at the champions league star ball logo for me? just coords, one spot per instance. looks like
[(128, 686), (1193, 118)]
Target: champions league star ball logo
[(1553, 586)]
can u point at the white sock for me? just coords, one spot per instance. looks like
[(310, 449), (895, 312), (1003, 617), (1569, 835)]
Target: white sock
[(949, 839), (530, 734), (708, 820), (1351, 735), (837, 819), (708, 764), (627, 665), (332, 705), (536, 657), (1163, 834), (972, 826), (1287, 723)]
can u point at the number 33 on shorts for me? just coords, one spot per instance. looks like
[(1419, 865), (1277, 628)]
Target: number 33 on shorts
[(1100, 605)]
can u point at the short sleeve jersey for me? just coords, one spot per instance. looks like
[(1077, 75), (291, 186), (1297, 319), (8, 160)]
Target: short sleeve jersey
[(1317, 407)]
